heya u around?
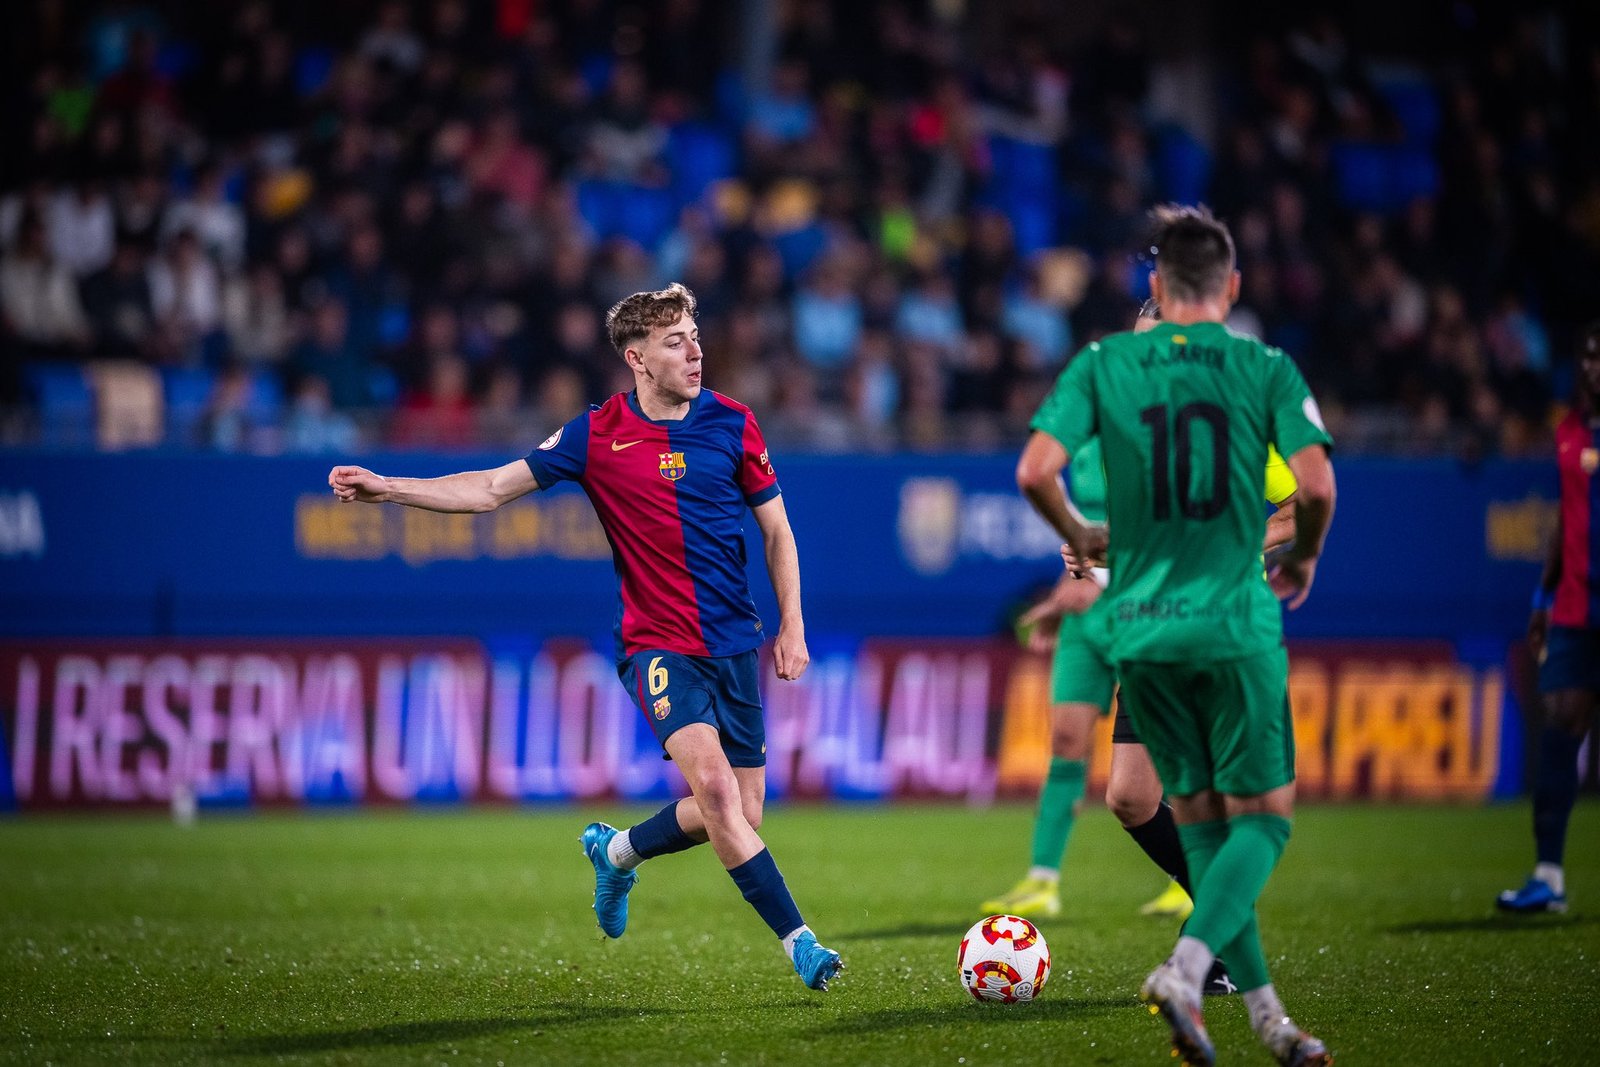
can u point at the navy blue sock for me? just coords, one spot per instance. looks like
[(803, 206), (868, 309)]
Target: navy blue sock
[(1160, 841), (1555, 790), (759, 879), (660, 834)]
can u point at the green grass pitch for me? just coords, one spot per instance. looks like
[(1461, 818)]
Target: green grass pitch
[(465, 937)]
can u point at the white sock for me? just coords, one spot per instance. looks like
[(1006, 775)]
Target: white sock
[(621, 854), (1192, 957), (1552, 875), (1048, 874), (791, 937), (1264, 1005)]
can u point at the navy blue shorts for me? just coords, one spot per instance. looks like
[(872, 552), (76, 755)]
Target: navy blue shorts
[(674, 690), (1571, 659)]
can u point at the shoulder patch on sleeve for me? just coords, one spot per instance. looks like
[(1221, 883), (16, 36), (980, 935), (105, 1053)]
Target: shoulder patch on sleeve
[(550, 442), (1313, 413)]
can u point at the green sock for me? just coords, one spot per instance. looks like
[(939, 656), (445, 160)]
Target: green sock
[(1058, 803), (1225, 895), (1247, 963)]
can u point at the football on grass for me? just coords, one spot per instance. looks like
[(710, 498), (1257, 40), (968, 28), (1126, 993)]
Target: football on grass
[(1004, 958)]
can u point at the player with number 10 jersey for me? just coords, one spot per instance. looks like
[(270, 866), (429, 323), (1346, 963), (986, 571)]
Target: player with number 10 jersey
[(1185, 413), (1185, 437)]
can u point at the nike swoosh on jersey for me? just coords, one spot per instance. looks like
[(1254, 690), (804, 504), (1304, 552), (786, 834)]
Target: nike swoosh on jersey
[(618, 446)]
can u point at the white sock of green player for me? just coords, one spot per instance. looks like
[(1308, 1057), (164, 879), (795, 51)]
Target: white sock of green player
[(1264, 1006), (1192, 957)]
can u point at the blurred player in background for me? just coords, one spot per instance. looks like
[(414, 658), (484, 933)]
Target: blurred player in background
[(1185, 413), (1082, 682), (1565, 632), (670, 468)]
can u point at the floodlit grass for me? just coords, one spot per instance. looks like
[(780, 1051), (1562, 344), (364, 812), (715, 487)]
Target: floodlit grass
[(463, 937)]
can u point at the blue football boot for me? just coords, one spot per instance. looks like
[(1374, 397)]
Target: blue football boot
[(814, 964), (611, 884), (1534, 896)]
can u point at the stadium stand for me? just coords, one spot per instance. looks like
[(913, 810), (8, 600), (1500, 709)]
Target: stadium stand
[(356, 195)]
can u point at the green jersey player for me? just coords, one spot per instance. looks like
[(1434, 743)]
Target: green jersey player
[(1067, 625), (1185, 414)]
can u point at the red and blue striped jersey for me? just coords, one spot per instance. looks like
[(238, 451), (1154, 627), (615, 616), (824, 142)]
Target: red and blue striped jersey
[(1577, 458), (671, 496)]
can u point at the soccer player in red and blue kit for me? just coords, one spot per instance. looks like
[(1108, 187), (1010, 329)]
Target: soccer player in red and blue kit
[(670, 469), (1565, 631)]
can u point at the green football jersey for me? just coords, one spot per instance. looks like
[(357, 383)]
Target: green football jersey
[(1184, 415), (1086, 480)]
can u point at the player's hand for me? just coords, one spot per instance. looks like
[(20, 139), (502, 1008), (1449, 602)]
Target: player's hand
[(357, 484), (1091, 553), (789, 653), (1040, 625), (1076, 565), (1291, 579), (1538, 630)]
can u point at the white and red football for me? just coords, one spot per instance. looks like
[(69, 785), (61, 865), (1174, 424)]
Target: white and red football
[(1004, 958)]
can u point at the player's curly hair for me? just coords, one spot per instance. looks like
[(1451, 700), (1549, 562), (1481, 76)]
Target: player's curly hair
[(1193, 250), (633, 317)]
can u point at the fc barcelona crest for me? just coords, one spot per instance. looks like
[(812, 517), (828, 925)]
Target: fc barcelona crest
[(672, 466)]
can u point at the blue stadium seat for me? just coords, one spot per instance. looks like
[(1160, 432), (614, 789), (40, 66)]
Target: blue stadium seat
[(621, 209), (383, 387), (701, 153), (1183, 166), (176, 58), (645, 215), (64, 400), (266, 396), (800, 248), (1362, 175), (1033, 225), (730, 97), (1072, 208), (187, 391), (394, 325), (595, 69), (1413, 173), (313, 66), (1383, 178), (597, 203), (1022, 168), (1416, 105)]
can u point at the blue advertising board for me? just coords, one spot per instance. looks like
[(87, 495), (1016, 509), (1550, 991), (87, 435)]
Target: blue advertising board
[(224, 624), (909, 545)]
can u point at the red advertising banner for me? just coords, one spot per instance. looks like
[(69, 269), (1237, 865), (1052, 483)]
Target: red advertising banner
[(96, 723)]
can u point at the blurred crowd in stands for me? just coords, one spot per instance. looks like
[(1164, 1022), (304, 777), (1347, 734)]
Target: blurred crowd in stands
[(275, 225)]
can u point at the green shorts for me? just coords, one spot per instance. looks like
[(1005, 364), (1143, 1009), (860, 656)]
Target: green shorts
[(1080, 673), (1223, 726)]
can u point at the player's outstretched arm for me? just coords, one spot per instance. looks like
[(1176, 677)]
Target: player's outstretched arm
[(1297, 568), (789, 652), (469, 491)]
